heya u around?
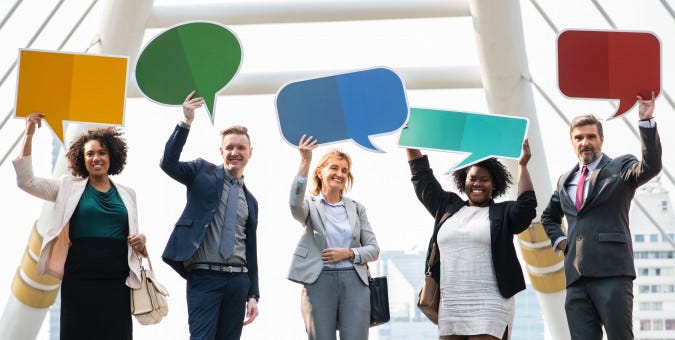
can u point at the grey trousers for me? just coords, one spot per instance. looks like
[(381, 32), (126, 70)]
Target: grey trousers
[(337, 300), (595, 302)]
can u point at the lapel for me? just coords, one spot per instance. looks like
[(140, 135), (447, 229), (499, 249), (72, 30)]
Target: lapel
[(321, 210), (319, 226), (563, 187), (129, 205), (594, 179), (352, 213), (74, 194)]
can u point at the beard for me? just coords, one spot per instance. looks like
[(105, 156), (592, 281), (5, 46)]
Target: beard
[(588, 158)]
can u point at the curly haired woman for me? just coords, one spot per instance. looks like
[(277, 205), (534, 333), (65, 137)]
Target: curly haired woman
[(92, 242)]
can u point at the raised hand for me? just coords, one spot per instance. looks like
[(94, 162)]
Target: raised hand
[(526, 154), (33, 119), (305, 146), (190, 105), (646, 107)]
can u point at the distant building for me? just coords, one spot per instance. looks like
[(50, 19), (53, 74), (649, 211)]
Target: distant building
[(654, 287), (405, 274)]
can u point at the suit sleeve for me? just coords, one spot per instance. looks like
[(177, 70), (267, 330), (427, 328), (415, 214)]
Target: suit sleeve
[(551, 218), (641, 172), (427, 187), (522, 212), (299, 206), (182, 172)]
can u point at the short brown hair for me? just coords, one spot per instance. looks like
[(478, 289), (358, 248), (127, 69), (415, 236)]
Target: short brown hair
[(236, 130), (584, 120), (110, 138), (333, 154)]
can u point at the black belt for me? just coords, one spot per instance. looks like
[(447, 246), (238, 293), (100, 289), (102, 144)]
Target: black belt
[(223, 268)]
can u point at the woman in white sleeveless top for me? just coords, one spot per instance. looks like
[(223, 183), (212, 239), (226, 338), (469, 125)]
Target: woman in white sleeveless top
[(477, 266)]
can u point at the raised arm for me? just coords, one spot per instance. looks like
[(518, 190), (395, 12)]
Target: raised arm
[(427, 188), (170, 162), (299, 207), (524, 180), (650, 164), (305, 146), (46, 189), (32, 120)]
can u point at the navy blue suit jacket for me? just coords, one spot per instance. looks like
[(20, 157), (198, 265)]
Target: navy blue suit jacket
[(204, 182)]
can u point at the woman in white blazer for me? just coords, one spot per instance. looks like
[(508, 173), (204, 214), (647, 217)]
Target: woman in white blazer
[(92, 242), (330, 258)]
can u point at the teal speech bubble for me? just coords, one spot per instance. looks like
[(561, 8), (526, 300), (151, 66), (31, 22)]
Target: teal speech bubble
[(481, 135), (201, 56)]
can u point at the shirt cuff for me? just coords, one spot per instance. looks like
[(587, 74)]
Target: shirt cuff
[(649, 123), (357, 256), (183, 124), (555, 245), (300, 179)]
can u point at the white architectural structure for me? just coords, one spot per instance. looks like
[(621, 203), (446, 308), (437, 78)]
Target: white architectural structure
[(502, 70), (654, 288)]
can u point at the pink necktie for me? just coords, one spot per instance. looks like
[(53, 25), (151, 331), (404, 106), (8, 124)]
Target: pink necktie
[(580, 188)]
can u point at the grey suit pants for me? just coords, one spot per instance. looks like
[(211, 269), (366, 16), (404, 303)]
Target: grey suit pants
[(595, 302), (337, 300)]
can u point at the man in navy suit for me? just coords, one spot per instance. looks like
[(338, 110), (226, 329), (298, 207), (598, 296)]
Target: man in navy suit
[(595, 197), (213, 244)]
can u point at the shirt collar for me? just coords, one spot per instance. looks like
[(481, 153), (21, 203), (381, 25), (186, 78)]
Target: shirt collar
[(593, 165), (229, 177), (322, 199)]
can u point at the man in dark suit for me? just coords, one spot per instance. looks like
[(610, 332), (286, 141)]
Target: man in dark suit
[(595, 197), (213, 244)]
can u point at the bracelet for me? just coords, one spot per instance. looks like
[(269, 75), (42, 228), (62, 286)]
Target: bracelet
[(351, 255)]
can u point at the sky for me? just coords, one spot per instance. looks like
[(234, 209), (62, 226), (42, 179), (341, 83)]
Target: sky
[(381, 179)]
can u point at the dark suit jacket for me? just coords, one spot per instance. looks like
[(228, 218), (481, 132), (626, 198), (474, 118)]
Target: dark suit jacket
[(506, 219), (204, 182), (598, 236)]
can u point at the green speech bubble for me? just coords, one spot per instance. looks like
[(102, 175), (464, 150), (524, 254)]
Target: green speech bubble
[(480, 135), (201, 56)]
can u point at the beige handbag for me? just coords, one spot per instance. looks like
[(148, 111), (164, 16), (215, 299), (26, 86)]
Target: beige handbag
[(148, 303), (430, 295)]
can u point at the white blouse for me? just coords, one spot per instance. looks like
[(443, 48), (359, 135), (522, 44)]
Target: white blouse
[(470, 300)]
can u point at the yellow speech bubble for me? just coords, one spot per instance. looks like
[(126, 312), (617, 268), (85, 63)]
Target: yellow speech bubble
[(71, 87)]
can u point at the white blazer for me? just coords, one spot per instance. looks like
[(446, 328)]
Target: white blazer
[(307, 264), (65, 193)]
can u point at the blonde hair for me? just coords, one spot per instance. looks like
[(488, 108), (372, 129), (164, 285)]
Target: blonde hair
[(323, 162)]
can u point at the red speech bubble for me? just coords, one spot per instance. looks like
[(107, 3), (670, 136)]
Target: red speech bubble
[(609, 65)]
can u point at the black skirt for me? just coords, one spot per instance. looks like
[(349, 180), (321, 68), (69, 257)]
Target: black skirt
[(95, 302)]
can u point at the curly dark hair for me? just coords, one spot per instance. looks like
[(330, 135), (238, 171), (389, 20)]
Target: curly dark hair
[(501, 178), (110, 138)]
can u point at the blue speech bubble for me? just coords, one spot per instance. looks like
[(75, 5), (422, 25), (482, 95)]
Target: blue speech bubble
[(353, 105)]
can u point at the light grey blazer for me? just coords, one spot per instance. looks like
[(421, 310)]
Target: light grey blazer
[(307, 264)]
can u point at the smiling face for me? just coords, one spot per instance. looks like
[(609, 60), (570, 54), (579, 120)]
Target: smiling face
[(587, 143), (236, 151), (478, 186), (333, 175), (96, 158)]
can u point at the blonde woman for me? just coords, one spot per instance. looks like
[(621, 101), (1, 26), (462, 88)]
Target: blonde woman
[(330, 258)]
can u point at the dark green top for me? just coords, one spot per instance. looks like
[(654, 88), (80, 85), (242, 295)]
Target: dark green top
[(100, 214)]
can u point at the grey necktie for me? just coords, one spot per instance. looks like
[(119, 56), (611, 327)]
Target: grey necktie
[(230, 220)]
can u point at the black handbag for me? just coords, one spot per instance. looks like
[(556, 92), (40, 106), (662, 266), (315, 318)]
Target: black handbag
[(379, 300)]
